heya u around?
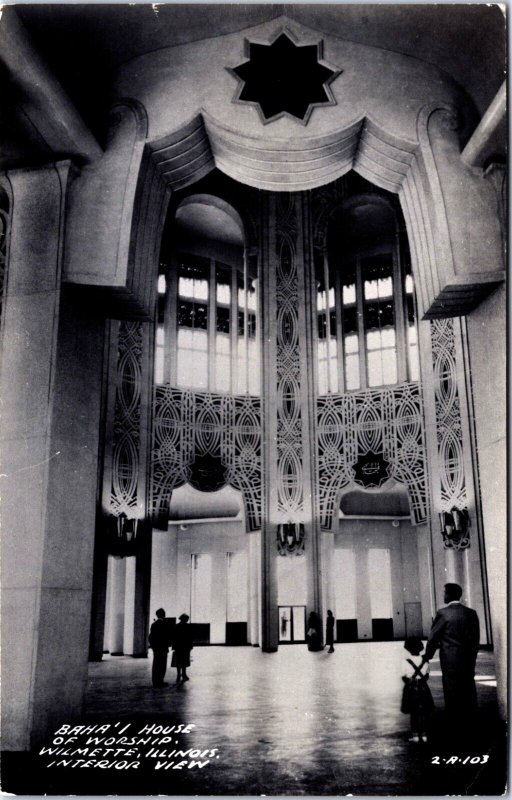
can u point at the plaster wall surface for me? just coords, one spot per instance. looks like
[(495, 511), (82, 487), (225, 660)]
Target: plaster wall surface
[(171, 572), (360, 535), (175, 83), (31, 312), (60, 673), (486, 328)]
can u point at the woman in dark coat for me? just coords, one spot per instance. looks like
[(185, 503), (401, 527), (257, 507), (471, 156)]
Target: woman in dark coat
[(329, 631), (182, 644), (314, 633)]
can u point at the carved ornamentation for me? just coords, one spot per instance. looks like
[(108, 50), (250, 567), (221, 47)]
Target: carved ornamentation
[(199, 427), (324, 200), (126, 434), (284, 78), (385, 421), (290, 539), (452, 480), (289, 415)]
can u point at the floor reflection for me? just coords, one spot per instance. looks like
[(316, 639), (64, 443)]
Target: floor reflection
[(296, 722)]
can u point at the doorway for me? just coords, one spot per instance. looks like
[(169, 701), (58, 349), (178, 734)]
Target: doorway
[(292, 624)]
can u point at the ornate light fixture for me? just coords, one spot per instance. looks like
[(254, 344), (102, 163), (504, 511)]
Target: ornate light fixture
[(122, 535), (290, 538), (455, 526)]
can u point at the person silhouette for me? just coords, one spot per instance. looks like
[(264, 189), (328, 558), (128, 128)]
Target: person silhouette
[(314, 632), (329, 631), (182, 644), (159, 643), (456, 632)]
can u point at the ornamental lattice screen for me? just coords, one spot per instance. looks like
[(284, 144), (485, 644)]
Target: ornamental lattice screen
[(127, 420), (289, 449), (189, 424), (452, 481), (387, 421)]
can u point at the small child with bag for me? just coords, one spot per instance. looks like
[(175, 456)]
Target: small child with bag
[(416, 696)]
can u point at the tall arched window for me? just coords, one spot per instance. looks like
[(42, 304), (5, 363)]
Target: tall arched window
[(207, 333), (367, 334)]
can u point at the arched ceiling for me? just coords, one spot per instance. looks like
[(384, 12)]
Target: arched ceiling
[(201, 217), (85, 44)]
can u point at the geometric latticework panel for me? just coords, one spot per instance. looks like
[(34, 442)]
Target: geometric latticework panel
[(290, 488), (386, 421), (448, 417), (127, 416), (188, 425)]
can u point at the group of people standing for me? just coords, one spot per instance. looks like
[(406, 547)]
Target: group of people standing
[(314, 632), (455, 632), (179, 638)]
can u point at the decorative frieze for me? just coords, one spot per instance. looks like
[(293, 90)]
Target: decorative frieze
[(387, 422), (189, 426), (289, 449), (127, 418), (449, 436)]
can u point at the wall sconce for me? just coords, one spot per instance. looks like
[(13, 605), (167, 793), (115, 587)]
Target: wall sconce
[(455, 526), (122, 535), (290, 538)]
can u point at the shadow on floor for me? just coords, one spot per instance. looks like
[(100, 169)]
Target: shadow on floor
[(292, 723)]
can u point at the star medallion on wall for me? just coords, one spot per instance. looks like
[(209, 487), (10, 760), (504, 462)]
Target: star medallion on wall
[(284, 78), (371, 470)]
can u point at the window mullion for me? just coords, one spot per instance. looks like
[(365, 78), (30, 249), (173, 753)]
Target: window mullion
[(327, 321), (234, 328), (400, 317), (360, 325), (246, 322), (171, 325), (338, 302), (212, 325)]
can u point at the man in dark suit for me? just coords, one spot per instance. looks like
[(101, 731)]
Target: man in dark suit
[(159, 643), (456, 631)]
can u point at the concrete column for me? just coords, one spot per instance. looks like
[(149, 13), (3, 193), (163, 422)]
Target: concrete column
[(129, 605), (425, 577), (107, 630), (142, 611), (364, 612), (487, 362), (51, 388), (269, 616), (218, 598), (327, 586), (117, 606), (289, 391), (254, 556), (454, 571)]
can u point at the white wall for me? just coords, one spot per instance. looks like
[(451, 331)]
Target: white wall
[(171, 560), (410, 579), (487, 349)]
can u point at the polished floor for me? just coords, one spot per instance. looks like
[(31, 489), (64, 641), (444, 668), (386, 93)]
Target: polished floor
[(289, 723)]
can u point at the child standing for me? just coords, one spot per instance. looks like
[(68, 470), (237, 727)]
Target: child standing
[(417, 698)]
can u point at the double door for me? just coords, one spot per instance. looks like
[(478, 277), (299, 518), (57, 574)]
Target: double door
[(292, 624)]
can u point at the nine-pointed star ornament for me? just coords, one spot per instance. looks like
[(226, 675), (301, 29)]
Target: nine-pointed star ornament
[(371, 470), (284, 78)]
